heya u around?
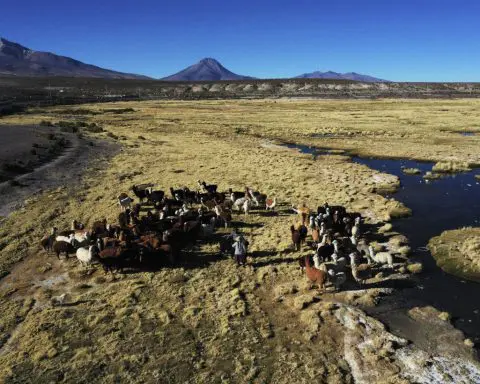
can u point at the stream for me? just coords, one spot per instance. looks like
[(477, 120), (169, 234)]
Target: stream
[(438, 205)]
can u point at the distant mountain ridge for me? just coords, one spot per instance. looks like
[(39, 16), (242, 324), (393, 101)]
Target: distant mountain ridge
[(340, 76), (207, 69), (17, 60)]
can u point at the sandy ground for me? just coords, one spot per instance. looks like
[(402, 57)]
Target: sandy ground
[(206, 319)]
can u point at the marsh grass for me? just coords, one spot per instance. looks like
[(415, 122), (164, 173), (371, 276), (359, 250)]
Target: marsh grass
[(206, 319), (458, 252)]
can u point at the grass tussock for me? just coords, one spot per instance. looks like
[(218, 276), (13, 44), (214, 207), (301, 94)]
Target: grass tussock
[(458, 252), (411, 171), (451, 166)]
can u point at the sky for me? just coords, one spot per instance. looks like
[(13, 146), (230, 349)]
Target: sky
[(421, 40)]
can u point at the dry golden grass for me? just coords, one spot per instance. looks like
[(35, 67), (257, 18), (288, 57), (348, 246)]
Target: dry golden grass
[(206, 320)]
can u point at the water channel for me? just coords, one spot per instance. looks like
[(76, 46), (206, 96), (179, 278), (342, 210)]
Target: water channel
[(448, 203)]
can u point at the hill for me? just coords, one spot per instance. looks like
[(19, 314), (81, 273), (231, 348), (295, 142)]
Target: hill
[(340, 76), (17, 60), (207, 69)]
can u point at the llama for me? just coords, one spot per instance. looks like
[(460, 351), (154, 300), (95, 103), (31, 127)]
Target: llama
[(360, 272), (62, 247), (239, 203), (356, 231), (246, 207), (337, 278), (339, 262), (47, 240), (125, 202), (86, 256), (379, 257), (270, 204), (315, 275), (66, 239), (296, 238)]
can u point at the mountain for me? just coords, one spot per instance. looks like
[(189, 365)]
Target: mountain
[(206, 69), (340, 76), (17, 60)]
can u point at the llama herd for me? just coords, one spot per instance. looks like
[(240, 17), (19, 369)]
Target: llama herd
[(154, 230), (338, 246)]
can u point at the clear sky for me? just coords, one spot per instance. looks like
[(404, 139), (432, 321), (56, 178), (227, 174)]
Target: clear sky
[(403, 40)]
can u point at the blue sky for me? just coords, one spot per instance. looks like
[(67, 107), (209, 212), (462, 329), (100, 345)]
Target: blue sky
[(422, 40)]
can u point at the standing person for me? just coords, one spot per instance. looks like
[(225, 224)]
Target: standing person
[(240, 250)]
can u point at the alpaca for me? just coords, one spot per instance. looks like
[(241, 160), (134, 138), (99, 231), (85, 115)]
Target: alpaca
[(360, 272), (379, 257), (47, 240), (270, 204), (86, 256), (336, 247), (316, 262), (356, 231), (339, 262), (337, 278), (302, 211), (315, 275), (124, 202), (239, 203), (140, 191), (233, 196), (246, 206), (81, 236), (212, 188), (226, 217), (66, 239), (257, 197), (207, 230), (62, 247), (209, 204), (296, 238)]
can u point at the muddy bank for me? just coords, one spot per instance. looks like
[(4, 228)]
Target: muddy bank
[(64, 165), (24, 148)]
